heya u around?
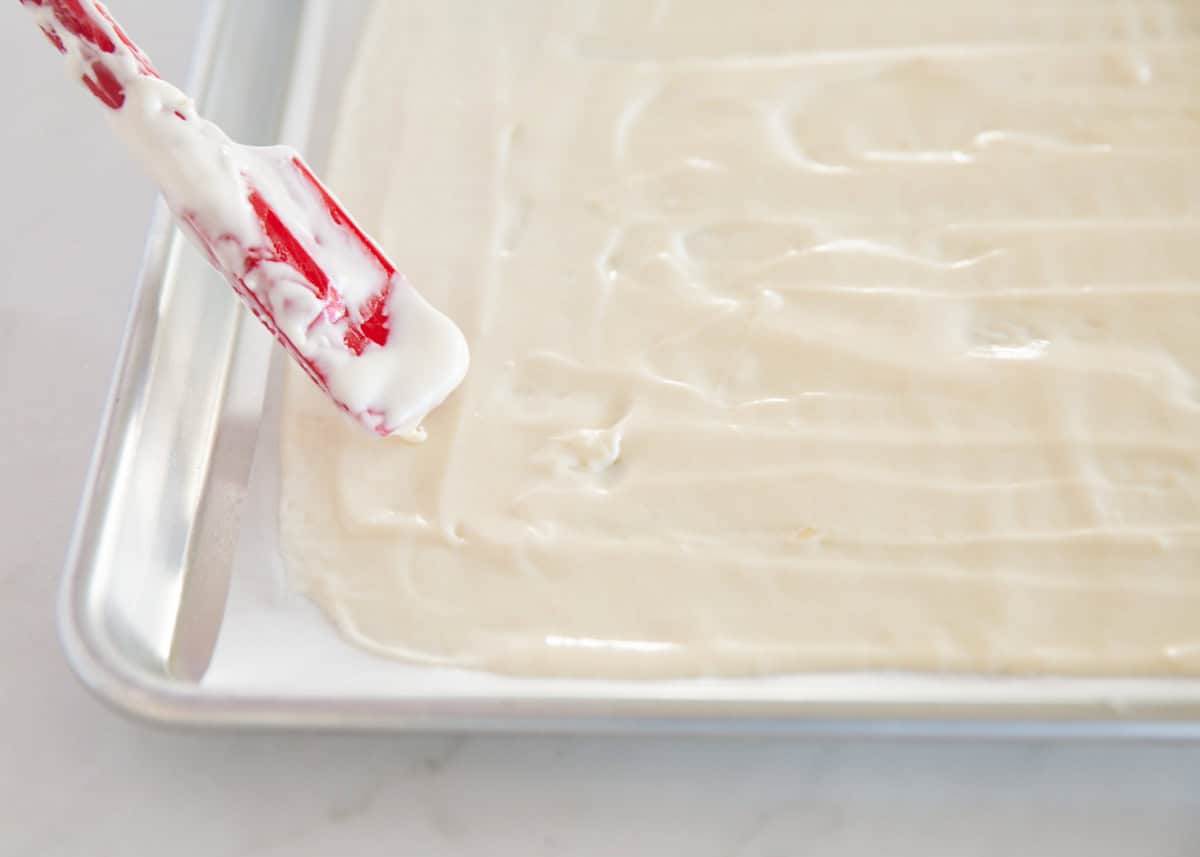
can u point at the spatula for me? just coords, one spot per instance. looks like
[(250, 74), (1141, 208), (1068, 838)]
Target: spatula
[(331, 298)]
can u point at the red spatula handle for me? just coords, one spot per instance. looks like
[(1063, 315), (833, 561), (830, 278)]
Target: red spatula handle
[(94, 27)]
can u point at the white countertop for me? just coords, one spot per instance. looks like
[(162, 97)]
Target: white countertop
[(77, 779)]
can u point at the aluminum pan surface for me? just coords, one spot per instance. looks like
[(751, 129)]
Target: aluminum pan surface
[(144, 588)]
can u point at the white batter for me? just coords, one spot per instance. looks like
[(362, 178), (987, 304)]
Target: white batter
[(805, 336)]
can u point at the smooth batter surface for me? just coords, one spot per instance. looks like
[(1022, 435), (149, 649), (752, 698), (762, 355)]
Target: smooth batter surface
[(804, 336)]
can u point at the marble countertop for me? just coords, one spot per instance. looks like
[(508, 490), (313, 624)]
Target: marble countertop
[(76, 778)]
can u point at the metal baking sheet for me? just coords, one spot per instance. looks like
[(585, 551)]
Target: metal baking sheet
[(174, 603)]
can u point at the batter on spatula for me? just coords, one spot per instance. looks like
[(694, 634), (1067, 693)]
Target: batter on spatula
[(288, 249)]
